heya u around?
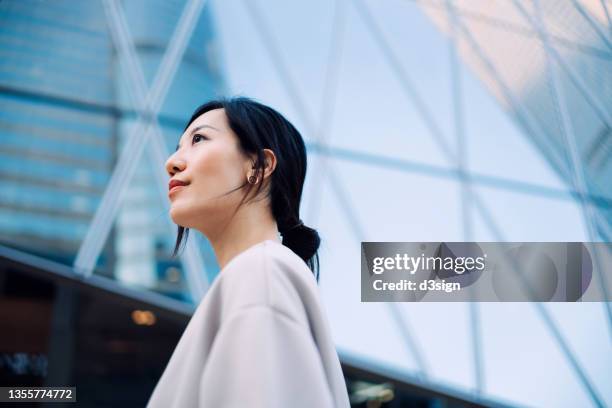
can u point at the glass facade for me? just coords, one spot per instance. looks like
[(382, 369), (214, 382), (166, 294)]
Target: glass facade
[(66, 114), (424, 120)]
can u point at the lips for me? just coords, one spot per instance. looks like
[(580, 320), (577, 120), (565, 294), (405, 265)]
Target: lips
[(174, 183)]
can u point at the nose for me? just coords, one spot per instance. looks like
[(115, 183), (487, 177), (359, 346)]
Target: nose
[(174, 165)]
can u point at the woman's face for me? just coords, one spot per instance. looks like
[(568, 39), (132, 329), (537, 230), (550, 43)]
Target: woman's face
[(210, 161)]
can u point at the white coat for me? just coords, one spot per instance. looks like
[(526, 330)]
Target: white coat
[(259, 338)]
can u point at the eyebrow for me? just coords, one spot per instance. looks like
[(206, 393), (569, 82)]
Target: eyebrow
[(195, 129)]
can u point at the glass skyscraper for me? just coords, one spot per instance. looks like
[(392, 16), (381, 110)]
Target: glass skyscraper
[(66, 114)]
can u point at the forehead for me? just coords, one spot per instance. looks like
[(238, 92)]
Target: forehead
[(215, 118), (214, 121)]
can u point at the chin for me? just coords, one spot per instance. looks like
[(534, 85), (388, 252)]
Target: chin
[(180, 216)]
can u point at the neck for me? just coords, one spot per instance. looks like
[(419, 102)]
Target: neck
[(250, 225)]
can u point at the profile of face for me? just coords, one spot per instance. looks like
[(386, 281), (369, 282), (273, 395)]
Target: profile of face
[(209, 160)]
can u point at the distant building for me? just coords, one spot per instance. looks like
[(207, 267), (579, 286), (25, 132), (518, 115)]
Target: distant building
[(65, 112)]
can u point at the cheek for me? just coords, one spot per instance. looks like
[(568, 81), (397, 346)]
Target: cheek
[(213, 172), (216, 170)]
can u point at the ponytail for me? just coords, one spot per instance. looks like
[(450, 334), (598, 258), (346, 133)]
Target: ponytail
[(305, 242)]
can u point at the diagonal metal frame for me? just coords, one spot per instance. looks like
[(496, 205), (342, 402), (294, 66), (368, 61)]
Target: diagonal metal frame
[(542, 311), (569, 138), (190, 258), (604, 6), (524, 117), (549, 323), (105, 214), (403, 326), (524, 114), (271, 47), (130, 154), (328, 104), (592, 23), (513, 28), (591, 98), (399, 73), (462, 152), (407, 84)]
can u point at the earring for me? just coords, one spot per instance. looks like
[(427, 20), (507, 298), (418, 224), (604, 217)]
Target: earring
[(252, 180)]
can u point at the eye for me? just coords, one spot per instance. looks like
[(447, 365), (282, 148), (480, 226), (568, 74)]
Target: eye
[(193, 139)]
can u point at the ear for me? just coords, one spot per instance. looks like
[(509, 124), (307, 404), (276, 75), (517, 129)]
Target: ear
[(271, 162)]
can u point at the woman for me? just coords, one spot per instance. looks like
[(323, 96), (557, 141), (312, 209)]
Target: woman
[(260, 337)]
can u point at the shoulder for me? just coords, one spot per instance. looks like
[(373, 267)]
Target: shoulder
[(267, 260), (267, 274)]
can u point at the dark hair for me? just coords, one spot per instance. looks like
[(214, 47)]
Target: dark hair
[(259, 127)]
